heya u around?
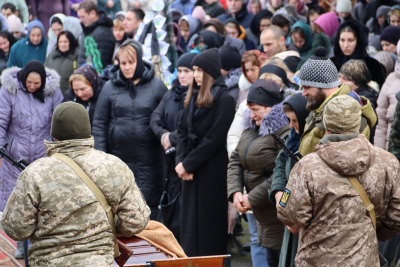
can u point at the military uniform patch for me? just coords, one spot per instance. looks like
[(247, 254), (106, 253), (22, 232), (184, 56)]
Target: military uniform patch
[(285, 197)]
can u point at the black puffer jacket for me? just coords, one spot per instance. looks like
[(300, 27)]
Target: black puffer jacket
[(101, 31), (121, 126)]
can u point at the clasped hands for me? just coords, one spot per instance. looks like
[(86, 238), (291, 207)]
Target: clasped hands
[(180, 170)]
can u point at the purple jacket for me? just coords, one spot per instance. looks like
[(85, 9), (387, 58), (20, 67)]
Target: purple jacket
[(44, 9), (24, 123)]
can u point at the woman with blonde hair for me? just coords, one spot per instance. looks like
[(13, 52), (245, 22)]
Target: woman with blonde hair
[(121, 124), (202, 158)]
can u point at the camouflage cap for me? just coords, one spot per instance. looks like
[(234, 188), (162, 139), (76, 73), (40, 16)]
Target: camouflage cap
[(342, 115)]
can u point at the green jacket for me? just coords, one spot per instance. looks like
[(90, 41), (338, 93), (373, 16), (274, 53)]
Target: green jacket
[(315, 129), (64, 221)]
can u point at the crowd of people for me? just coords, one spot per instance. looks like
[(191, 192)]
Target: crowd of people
[(324, 73)]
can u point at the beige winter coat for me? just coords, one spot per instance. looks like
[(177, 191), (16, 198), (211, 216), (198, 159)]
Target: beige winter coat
[(335, 229), (385, 111)]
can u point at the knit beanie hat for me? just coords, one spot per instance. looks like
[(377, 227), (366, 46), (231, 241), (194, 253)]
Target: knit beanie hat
[(210, 61), (356, 71), (70, 121), (186, 60), (230, 58), (342, 115), (265, 93), (319, 71), (382, 11), (328, 22), (391, 34), (343, 6), (14, 24)]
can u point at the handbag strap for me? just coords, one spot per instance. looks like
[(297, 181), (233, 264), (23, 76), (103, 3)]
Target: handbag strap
[(367, 203), (96, 191)]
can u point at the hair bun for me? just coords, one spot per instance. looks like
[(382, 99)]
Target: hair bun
[(320, 51)]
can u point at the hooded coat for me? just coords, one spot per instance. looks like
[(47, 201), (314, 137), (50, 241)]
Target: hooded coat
[(24, 51), (335, 228), (387, 103), (202, 150), (24, 123), (376, 69), (315, 129), (243, 17), (121, 126), (251, 166), (308, 37), (96, 83), (101, 32)]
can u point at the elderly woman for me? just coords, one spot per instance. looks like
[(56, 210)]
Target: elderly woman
[(252, 162), (27, 100), (85, 86), (121, 124), (63, 58)]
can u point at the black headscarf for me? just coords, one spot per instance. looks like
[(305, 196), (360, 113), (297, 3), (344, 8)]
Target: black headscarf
[(34, 66), (10, 37), (91, 75), (73, 44)]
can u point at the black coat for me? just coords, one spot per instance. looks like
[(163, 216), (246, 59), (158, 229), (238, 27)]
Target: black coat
[(121, 127), (202, 151), (163, 120), (101, 31)]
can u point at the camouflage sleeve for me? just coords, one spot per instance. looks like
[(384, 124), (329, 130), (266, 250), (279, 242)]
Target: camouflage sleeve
[(133, 213), (295, 207), (20, 214), (390, 224), (394, 139)]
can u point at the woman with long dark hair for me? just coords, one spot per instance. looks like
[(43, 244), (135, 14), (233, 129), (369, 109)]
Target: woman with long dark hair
[(202, 158), (7, 40)]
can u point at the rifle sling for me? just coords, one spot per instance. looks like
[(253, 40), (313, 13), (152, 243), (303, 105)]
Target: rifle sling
[(97, 193), (367, 203)]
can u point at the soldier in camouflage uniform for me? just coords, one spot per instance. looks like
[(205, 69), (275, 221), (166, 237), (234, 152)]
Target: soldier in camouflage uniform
[(52, 206), (335, 228)]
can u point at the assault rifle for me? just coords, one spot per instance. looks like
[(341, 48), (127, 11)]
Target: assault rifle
[(281, 142), (20, 164)]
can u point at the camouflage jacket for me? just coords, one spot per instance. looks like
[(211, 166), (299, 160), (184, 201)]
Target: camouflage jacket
[(65, 223), (315, 129), (335, 229)]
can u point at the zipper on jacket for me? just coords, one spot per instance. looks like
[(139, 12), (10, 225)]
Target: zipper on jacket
[(245, 158)]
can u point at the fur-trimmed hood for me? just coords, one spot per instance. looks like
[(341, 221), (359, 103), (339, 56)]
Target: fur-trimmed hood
[(275, 119), (11, 83), (232, 79)]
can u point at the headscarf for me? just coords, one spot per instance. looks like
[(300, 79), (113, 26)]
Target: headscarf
[(37, 24), (307, 36), (91, 75), (34, 66), (139, 61), (73, 44), (261, 58)]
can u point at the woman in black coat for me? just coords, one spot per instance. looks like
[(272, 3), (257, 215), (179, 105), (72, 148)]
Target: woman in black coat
[(351, 42), (121, 124), (164, 123), (85, 86), (202, 158)]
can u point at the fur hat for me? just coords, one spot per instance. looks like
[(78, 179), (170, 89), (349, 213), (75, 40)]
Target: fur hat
[(356, 71), (342, 115)]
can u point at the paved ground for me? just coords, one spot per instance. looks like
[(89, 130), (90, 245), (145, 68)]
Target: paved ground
[(242, 259)]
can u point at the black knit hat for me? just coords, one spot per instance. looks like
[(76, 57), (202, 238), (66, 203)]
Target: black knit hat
[(391, 34), (70, 121), (210, 61), (265, 93), (186, 60), (230, 57), (319, 71)]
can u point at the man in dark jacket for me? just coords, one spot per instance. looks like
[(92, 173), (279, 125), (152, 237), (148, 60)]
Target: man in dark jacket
[(97, 44), (237, 10)]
